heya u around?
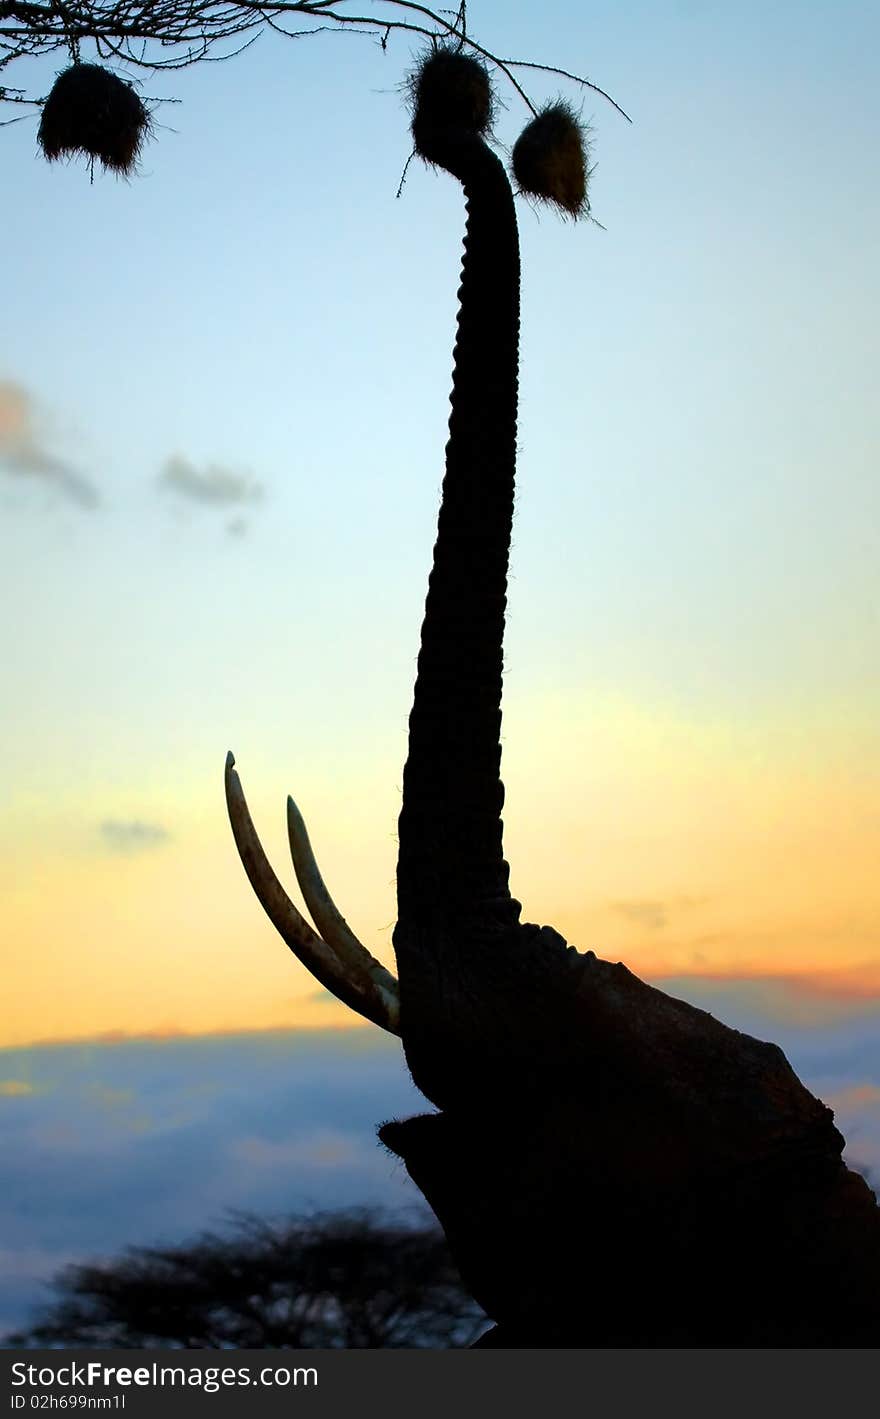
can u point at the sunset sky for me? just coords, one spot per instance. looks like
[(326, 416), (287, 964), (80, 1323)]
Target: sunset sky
[(223, 399)]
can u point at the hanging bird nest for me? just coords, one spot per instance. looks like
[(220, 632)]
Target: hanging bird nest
[(550, 160), (92, 111), (450, 90)]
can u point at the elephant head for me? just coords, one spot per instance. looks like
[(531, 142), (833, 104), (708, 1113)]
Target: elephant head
[(611, 1166)]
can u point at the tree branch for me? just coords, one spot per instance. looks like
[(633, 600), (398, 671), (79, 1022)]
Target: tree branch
[(175, 34)]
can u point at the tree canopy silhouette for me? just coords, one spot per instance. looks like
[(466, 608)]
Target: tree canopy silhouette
[(355, 1279)]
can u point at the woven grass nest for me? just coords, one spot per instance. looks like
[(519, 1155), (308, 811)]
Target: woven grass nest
[(92, 111), (450, 90), (550, 160)]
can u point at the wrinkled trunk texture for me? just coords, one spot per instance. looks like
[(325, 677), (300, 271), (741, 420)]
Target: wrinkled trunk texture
[(454, 905), (451, 865)]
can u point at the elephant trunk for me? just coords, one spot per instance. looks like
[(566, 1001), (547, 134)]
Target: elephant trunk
[(451, 866)]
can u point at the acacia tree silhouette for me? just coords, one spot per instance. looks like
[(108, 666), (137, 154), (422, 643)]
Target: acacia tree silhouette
[(356, 1279)]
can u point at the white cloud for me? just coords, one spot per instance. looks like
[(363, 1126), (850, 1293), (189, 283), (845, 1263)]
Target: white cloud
[(132, 835), (214, 484)]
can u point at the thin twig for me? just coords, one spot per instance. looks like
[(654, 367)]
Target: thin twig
[(176, 34)]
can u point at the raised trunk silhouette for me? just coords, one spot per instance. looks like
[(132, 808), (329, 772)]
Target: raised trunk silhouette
[(451, 866), (455, 910), (611, 1166), (606, 1156)]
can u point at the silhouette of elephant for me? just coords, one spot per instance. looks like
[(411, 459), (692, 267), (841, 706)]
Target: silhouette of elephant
[(612, 1166)]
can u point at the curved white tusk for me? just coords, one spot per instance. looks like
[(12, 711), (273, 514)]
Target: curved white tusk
[(354, 989), (352, 955)]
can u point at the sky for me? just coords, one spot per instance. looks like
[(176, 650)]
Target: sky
[(223, 402), (224, 397)]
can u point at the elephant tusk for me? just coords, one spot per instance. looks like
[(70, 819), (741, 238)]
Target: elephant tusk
[(354, 987), (352, 955)]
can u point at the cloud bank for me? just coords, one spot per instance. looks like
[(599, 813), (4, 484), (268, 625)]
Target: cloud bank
[(146, 1141), (149, 1141)]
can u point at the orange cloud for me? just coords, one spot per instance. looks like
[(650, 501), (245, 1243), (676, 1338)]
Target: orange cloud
[(856, 1096), (23, 452), (803, 999)]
